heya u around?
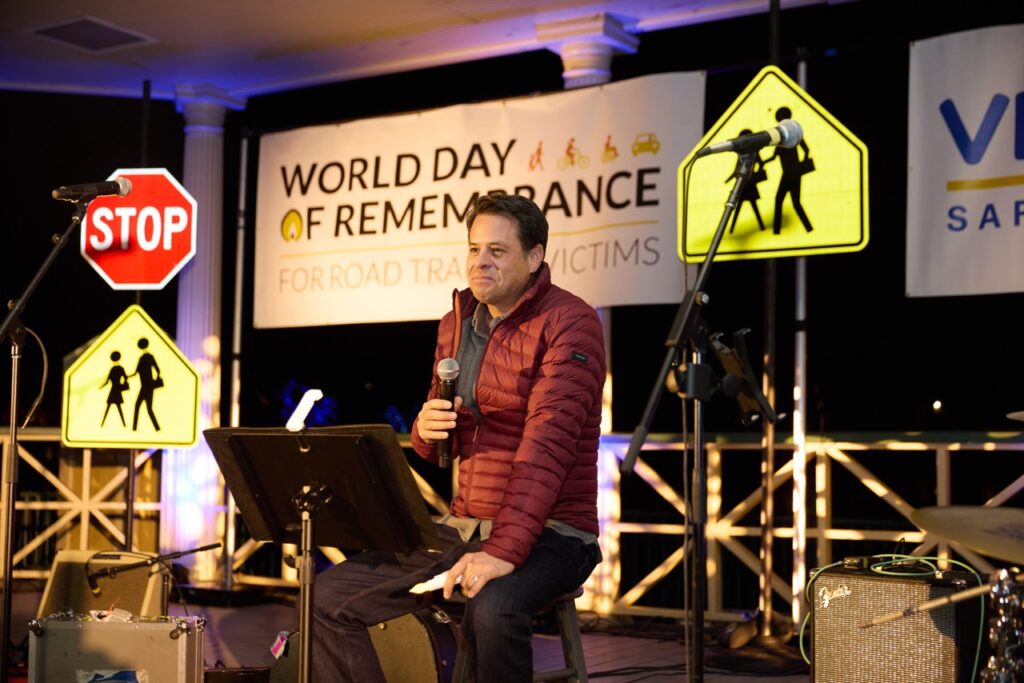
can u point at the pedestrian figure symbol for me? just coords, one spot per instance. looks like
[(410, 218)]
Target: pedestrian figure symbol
[(750, 193), (794, 168), (118, 381), (149, 378), (131, 388), (536, 159), (804, 188)]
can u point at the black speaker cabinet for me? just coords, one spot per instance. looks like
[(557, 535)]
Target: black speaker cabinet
[(139, 590), (935, 646)]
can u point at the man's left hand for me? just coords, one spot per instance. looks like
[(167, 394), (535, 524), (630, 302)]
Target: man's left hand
[(474, 570)]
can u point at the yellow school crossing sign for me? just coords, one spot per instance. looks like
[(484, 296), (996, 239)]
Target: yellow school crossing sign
[(811, 199), (132, 388)]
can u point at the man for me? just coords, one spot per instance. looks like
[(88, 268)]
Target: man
[(525, 425)]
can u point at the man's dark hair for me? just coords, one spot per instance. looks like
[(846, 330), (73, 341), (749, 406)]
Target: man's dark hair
[(533, 226)]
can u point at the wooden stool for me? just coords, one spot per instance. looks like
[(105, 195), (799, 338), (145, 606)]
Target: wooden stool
[(575, 670)]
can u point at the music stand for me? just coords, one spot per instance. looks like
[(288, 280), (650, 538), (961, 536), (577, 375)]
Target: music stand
[(353, 479)]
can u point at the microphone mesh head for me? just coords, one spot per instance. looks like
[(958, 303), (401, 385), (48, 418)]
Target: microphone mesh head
[(448, 369), (791, 133)]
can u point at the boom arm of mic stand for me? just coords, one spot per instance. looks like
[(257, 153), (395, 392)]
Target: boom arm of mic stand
[(149, 561), (11, 326), (686, 314)]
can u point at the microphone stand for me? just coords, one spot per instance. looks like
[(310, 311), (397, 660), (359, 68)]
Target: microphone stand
[(113, 571), (13, 329), (687, 326)]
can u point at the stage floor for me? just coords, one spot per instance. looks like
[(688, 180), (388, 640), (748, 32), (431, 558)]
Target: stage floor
[(616, 652)]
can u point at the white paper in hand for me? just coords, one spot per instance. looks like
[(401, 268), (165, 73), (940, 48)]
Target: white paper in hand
[(436, 583)]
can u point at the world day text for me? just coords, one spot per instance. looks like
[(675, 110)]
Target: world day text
[(590, 195)]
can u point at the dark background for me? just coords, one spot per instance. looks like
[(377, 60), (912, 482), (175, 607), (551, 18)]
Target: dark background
[(876, 360)]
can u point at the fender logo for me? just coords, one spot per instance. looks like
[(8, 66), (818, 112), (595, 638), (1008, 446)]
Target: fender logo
[(827, 596)]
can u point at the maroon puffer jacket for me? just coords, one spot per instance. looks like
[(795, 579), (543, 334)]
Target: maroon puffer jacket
[(532, 456)]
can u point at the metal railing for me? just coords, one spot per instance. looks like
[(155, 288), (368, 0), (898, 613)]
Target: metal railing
[(729, 529)]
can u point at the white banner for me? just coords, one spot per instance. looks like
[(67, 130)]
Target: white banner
[(965, 183), (363, 221)]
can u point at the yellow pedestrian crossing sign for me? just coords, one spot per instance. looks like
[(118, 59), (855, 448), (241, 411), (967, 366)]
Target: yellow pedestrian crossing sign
[(811, 199), (132, 388)]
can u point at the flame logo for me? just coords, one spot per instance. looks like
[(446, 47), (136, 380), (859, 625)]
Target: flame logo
[(291, 226)]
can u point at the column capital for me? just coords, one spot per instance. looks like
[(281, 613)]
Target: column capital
[(586, 45), (205, 106)]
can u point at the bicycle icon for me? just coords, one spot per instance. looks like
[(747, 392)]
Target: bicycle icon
[(573, 157), (577, 159)]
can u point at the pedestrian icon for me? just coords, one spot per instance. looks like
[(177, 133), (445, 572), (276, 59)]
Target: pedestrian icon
[(148, 373), (537, 158), (118, 381), (813, 196), (162, 390), (793, 169), (750, 194)]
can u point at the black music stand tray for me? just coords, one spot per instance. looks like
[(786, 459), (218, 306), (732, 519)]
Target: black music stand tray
[(353, 479)]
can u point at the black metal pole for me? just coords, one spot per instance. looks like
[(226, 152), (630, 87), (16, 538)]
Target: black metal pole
[(768, 388), (129, 502), (307, 503), (129, 508), (699, 525), (12, 328), (683, 327), (10, 494)]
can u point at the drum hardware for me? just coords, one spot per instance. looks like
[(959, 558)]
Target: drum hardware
[(929, 605), (1005, 632), (992, 531), (1005, 626), (996, 532)]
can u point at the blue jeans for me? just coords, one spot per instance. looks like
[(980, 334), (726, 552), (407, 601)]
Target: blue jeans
[(372, 587)]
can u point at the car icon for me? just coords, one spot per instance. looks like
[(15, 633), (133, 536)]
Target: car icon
[(646, 143)]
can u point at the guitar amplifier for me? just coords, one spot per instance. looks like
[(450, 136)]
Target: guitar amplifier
[(934, 646), (138, 590)]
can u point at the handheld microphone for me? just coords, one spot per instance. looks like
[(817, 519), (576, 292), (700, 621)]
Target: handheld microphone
[(447, 372), (90, 577), (787, 134), (73, 193)]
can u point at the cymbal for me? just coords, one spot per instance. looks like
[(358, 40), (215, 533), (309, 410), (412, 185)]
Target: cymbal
[(1017, 415), (992, 531)]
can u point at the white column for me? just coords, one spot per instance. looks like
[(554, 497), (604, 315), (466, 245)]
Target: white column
[(191, 486), (586, 45)]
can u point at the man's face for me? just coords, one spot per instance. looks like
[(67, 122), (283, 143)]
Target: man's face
[(499, 270)]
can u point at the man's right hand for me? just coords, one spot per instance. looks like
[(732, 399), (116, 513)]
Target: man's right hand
[(436, 419)]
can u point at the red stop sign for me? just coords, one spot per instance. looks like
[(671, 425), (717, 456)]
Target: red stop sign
[(141, 240)]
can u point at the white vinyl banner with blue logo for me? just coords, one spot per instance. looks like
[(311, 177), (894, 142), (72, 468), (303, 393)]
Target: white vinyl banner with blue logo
[(364, 221), (965, 182)]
